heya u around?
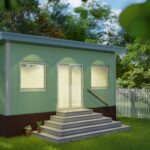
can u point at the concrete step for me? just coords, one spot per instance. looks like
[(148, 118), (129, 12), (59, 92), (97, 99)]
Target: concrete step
[(74, 112), (73, 131), (76, 118), (57, 139), (69, 125)]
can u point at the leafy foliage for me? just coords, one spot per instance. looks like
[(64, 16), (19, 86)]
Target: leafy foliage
[(93, 9), (136, 78), (54, 19), (135, 72), (135, 19), (9, 5), (138, 54), (100, 12), (84, 0), (20, 20), (44, 26), (39, 123), (28, 128), (75, 29), (96, 15), (82, 11), (121, 67)]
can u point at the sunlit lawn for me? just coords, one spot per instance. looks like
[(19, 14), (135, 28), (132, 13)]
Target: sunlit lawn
[(138, 138)]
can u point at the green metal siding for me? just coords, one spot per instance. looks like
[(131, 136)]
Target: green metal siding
[(2, 78), (45, 101)]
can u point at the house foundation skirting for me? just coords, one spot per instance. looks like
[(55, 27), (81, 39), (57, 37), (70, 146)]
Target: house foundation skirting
[(106, 111), (14, 125)]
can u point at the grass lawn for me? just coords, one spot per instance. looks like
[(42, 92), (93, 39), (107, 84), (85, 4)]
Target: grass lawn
[(138, 138)]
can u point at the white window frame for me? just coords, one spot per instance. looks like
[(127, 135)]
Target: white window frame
[(33, 89), (107, 69)]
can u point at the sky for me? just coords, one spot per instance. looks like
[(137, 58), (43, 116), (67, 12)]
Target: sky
[(116, 5)]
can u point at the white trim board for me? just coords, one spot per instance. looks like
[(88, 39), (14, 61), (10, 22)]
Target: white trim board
[(7, 74)]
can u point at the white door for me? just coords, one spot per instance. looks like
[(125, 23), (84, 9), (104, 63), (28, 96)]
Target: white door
[(69, 86)]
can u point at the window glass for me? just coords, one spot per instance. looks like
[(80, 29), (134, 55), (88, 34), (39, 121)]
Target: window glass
[(32, 76), (99, 76)]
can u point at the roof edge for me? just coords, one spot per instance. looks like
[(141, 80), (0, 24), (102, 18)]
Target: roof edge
[(58, 42)]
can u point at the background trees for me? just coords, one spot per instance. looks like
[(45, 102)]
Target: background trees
[(19, 19), (55, 19), (137, 62), (135, 20)]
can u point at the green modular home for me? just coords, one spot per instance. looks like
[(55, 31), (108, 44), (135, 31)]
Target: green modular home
[(40, 75)]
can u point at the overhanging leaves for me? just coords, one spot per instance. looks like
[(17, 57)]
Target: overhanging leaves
[(135, 19), (82, 11), (84, 0), (9, 5)]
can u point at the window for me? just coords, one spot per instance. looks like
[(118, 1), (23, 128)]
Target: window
[(32, 76), (99, 76)]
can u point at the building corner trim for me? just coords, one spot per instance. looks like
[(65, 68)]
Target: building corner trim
[(7, 72)]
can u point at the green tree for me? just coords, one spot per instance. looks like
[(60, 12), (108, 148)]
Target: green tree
[(136, 78), (20, 20), (9, 5), (121, 67), (136, 64), (46, 27), (55, 19), (135, 19), (51, 19), (30, 18), (75, 29), (138, 54), (91, 15)]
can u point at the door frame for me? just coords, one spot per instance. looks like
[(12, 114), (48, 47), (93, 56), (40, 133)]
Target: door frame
[(82, 87)]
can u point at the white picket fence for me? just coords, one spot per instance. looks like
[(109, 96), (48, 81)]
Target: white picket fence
[(133, 103)]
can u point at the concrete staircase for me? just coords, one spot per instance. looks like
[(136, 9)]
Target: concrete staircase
[(76, 124)]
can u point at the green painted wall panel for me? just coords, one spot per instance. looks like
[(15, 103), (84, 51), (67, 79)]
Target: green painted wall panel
[(33, 102), (2, 78)]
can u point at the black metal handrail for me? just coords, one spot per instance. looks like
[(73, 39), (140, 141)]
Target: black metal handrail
[(97, 97)]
